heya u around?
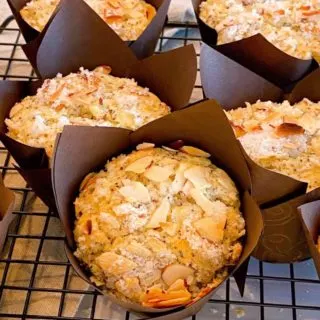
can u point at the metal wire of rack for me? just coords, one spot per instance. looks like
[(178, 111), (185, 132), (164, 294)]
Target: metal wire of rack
[(37, 281)]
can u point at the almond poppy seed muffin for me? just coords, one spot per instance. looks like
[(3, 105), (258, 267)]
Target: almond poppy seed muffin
[(292, 26), (282, 137), (159, 227), (91, 98), (128, 18)]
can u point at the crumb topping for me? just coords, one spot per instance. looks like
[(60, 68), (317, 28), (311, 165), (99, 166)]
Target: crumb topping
[(90, 98), (128, 18), (292, 26), (165, 226), (282, 137)]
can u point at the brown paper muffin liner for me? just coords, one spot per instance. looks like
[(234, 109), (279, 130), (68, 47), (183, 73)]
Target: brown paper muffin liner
[(278, 195), (7, 199), (310, 217), (143, 47), (258, 55), (80, 150), (171, 76)]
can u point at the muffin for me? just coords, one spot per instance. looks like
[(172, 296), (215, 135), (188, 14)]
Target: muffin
[(158, 227), (128, 18), (291, 26), (91, 98), (282, 137)]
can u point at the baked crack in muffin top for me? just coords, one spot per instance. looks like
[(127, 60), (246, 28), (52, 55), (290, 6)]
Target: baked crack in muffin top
[(128, 18), (282, 137), (90, 98), (158, 226), (290, 25)]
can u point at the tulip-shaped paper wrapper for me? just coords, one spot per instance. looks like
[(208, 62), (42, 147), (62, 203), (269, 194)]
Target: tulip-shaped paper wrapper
[(81, 150), (77, 10), (169, 75), (6, 206), (258, 55), (279, 196), (310, 217)]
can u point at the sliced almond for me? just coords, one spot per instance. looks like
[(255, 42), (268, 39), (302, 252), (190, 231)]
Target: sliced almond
[(145, 145), (184, 249), (60, 106), (160, 214), (137, 249), (187, 187), (169, 303), (169, 149), (159, 174), (135, 191), (238, 130), (211, 229), (57, 93), (197, 175), (178, 182), (156, 245), (203, 202), (111, 220), (153, 292), (177, 285), (96, 111), (152, 277), (179, 179), (103, 69), (190, 280), (170, 228), (288, 129), (114, 19), (115, 264), (157, 298), (310, 123), (151, 12), (174, 272), (86, 180), (114, 4), (290, 119), (140, 165), (195, 152), (179, 214)]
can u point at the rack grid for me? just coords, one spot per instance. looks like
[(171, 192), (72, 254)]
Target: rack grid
[(37, 281)]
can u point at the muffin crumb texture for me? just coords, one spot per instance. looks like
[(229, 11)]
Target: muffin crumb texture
[(159, 227), (128, 18), (282, 137), (292, 26), (88, 98)]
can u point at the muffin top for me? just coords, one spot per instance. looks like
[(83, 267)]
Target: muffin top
[(92, 98), (290, 25), (159, 226), (128, 18), (282, 137)]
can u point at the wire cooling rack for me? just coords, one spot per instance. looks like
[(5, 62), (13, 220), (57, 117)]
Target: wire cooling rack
[(37, 282)]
